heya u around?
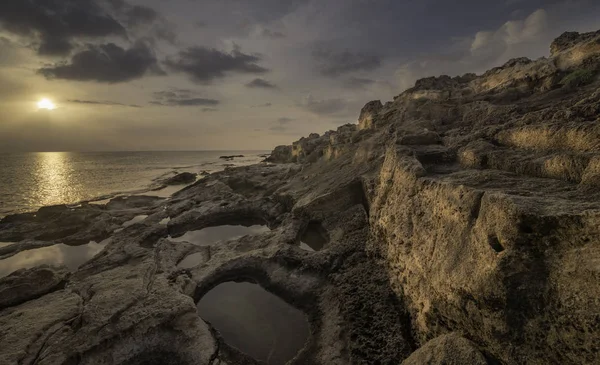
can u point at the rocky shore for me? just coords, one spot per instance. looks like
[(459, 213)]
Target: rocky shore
[(459, 224)]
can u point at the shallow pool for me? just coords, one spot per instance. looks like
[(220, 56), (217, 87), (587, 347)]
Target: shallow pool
[(70, 256), (210, 235), (255, 321)]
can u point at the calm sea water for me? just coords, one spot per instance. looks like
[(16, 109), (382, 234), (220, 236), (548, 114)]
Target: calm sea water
[(31, 180)]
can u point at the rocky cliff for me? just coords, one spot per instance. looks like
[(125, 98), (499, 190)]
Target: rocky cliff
[(460, 223), (484, 202)]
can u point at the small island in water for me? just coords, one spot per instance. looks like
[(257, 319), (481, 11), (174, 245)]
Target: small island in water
[(457, 224)]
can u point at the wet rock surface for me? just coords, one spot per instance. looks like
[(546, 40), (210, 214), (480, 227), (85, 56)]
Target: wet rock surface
[(466, 205)]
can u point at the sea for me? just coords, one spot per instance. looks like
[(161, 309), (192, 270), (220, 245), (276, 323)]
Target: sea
[(29, 181)]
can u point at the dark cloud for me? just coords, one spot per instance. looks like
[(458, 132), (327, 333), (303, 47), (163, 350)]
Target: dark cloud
[(108, 103), (138, 14), (261, 83), (332, 64), (174, 94), (325, 106), (106, 63), (268, 33), (165, 32), (55, 23), (182, 97), (204, 65)]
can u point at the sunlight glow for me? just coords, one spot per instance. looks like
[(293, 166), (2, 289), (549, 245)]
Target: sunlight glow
[(46, 104)]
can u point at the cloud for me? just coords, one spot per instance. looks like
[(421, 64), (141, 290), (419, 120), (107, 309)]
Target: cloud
[(358, 83), (281, 125), (140, 14), (278, 128), (182, 97), (173, 93), (12, 54), (511, 33), (186, 102), (108, 103), (264, 32), (261, 83), (54, 24), (107, 63), (325, 106), (285, 120), (333, 64), (483, 50), (145, 22), (204, 65), (265, 105)]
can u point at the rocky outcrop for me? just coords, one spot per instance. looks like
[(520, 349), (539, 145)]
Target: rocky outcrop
[(281, 154), (368, 114), (183, 178), (483, 204), (570, 40)]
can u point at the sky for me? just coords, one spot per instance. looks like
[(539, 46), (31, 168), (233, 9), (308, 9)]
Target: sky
[(241, 74)]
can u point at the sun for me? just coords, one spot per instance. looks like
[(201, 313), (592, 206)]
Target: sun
[(46, 104)]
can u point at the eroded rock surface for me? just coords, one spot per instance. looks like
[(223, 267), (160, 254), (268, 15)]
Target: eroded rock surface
[(181, 179), (449, 349), (24, 285), (467, 204)]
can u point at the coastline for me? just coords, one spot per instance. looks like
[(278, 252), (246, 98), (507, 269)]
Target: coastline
[(154, 184)]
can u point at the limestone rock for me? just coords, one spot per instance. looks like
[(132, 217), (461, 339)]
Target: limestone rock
[(570, 39), (281, 154), (368, 114), (451, 349)]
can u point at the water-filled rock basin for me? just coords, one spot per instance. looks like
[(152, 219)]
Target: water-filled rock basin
[(255, 321), (70, 256), (211, 235)]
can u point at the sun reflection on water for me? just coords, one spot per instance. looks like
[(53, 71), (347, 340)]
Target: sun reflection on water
[(53, 178)]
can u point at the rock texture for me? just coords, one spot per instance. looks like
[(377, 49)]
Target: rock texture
[(449, 349), (181, 179), (466, 205), (24, 285)]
